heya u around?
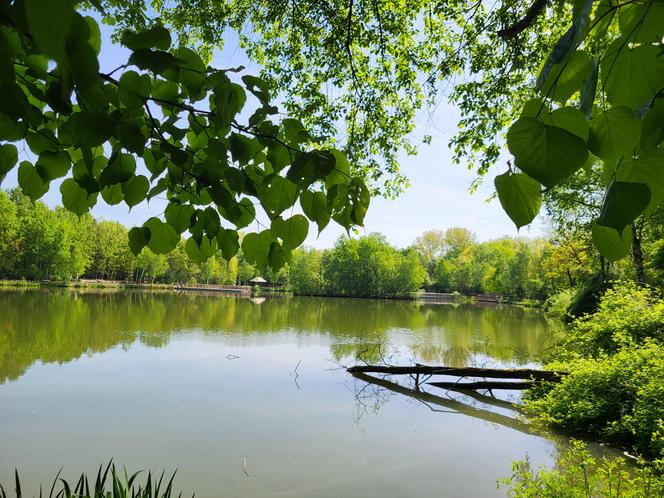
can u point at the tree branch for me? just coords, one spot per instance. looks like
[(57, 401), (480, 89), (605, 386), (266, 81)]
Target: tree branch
[(525, 22)]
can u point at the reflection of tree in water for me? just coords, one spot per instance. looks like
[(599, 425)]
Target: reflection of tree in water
[(59, 326)]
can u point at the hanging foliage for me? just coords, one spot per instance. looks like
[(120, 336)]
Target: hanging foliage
[(183, 120), (601, 100)]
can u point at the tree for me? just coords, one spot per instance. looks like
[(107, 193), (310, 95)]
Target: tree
[(600, 101), (306, 272), (166, 107), (9, 230), (358, 71), (150, 266)]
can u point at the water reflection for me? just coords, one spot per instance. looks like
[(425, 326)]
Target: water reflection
[(60, 326)]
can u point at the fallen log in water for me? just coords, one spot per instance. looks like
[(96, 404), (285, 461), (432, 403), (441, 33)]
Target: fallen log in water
[(493, 373), (458, 386)]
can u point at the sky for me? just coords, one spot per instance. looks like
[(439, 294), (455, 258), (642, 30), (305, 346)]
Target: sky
[(438, 197)]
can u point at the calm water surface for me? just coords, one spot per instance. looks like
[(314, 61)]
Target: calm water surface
[(206, 383)]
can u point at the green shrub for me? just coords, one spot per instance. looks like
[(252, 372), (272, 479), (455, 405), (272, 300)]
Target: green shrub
[(557, 305), (627, 316), (617, 398), (579, 475)]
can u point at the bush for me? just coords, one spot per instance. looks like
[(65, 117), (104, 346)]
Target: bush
[(627, 316), (557, 305), (617, 398), (579, 475)]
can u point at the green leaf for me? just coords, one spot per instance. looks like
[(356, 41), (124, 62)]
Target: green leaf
[(179, 216), (569, 119), (192, 71), (131, 137), (614, 134), (278, 155), (199, 253), (155, 37), (51, 165), (648, 168), (138, 239), (546, 153), (134, 89), (88, 129), (341, 172), (120, 168), (632, 75), (156, 61), (359, 201), (247, 213), (243, 149), (610, 243), (8, 159), (112, 194), (75, 198), (311, 166), (565, 79), (163, 238), (31, 182), (135, 190), (292, 231), (258, 87), (520, 196), (82, 58), (277, 257), (49, 22), (588, 91), (228, 243), (277, 193), (165, 90), (642, 21), (256, 247), (229, 99), (10, 130), (652, 126), (314, 205), (624, 201), (95, 34)]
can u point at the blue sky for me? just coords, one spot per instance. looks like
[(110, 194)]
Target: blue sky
[(438, 197)]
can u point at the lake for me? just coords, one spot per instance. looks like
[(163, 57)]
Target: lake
[(249, 398)]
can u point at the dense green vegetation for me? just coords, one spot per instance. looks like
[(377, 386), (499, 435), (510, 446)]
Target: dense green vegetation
[(580, 475), (615, 360), (37, 243), (211, 142)]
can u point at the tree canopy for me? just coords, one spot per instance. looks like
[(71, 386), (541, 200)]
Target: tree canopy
[(166, 107), (360, 71), (352, 75)]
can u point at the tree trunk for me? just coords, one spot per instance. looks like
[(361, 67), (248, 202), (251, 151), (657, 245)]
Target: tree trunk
[(637, 257)]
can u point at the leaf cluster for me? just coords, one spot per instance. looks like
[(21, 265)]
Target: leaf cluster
[(601, 102), (166, 110)]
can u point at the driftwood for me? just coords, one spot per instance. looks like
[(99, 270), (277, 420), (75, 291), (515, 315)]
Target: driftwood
[(458, 386), (493, 373)]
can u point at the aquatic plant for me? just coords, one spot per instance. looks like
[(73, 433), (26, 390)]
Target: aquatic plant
[(108, 484)]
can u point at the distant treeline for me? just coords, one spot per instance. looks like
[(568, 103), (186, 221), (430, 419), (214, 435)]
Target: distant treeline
[(441, 261), (37, 243)]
